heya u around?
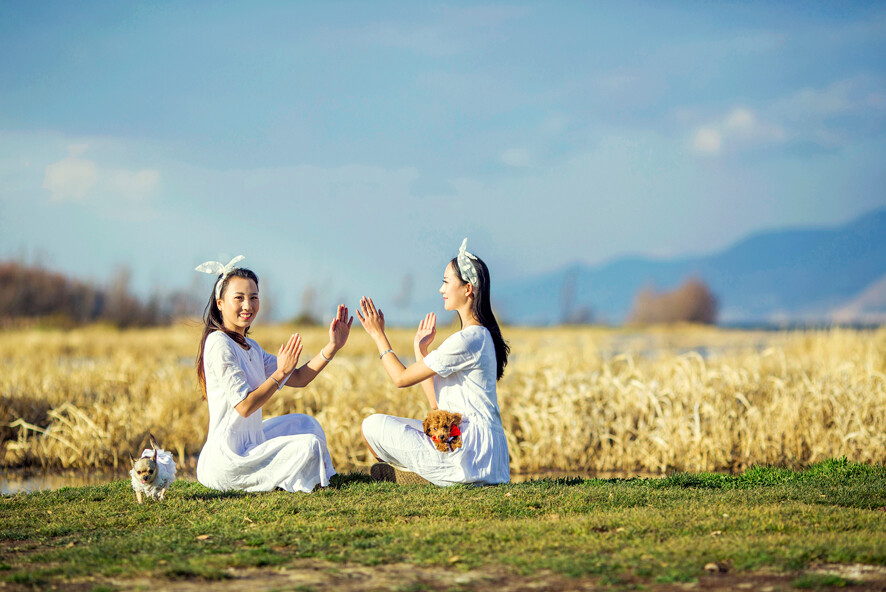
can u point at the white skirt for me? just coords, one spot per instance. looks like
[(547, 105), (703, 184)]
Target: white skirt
[(482, 459), (289, 452)]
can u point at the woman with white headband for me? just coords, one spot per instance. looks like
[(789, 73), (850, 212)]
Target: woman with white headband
[(238, 378), (459, 376)]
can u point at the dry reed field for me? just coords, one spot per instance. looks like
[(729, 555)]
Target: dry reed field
[(573, 399)]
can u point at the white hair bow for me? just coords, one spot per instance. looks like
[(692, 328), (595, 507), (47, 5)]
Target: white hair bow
[(216, 268), (465, 267)]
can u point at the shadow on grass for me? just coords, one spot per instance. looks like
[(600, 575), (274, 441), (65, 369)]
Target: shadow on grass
[(339, 480), (214, 495), (555, 481), (202, 492)]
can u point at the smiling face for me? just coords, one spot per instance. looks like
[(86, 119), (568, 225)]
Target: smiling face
[(239, 304), (455, 292)]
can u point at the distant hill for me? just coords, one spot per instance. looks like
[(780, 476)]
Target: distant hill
[(867, 307), (784, 276)]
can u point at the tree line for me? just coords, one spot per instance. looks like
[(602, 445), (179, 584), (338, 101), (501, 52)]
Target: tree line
[(39, 294), (32, 292)]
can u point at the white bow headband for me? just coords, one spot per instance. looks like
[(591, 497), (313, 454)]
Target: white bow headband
[(223, 271), (465, 267)]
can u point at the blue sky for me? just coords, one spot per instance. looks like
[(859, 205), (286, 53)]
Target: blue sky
[(344, 145)]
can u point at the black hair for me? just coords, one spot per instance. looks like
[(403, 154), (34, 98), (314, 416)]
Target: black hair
[(482, 309), (212, 319)]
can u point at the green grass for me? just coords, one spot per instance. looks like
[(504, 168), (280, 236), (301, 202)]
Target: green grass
[(620, 531)]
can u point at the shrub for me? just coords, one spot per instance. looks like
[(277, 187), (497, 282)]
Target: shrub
[(692, 302)]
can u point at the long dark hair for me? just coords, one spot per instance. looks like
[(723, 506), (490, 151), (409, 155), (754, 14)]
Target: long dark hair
[(212, 320), (482, 309)]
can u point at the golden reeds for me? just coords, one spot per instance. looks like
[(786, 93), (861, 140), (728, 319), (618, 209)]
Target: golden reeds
[(572, 399)]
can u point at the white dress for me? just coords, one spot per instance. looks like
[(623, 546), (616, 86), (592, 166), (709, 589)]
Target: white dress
[(246, 453), (465, 368)]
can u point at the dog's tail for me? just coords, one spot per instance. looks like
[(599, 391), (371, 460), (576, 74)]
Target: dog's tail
[(154, 444)]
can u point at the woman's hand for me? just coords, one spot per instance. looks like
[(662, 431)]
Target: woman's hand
[(287, 358), (340, 328), (427, 330), (372, 320)]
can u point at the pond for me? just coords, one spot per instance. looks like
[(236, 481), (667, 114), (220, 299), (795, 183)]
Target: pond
[(17, 481)]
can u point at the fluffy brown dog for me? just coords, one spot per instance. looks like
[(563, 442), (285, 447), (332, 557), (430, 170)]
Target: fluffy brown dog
[(442, 428)]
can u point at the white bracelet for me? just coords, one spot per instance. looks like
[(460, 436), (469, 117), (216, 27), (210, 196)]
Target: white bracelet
[(324, 357), (384, 353), (277, 381)]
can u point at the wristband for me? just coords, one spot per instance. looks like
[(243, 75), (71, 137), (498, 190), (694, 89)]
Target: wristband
[(324, 357), (384, 353), (279, 386)]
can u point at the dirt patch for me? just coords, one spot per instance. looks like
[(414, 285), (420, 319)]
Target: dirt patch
[(321, 575)]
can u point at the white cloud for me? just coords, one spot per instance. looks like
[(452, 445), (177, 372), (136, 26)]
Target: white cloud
[(741, 128), (70, 178), (79, 179), (707, 141), (741, 120), (516, 157)]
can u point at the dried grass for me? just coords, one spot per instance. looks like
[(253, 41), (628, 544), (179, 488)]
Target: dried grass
[(572, 399)]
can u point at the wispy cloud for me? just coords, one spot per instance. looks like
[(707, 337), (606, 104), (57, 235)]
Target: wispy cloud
[(79, 179), (516, 157), (707, 140), (862, 93), (71, 178), (739, 129), (133, 185)]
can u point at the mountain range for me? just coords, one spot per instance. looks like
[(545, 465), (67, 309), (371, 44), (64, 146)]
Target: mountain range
[(788, 276)]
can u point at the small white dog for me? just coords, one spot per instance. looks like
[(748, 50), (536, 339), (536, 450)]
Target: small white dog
[(152, 473)]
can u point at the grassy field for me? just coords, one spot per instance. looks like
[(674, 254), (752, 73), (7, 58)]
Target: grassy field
[(573, 399), (766, 528)]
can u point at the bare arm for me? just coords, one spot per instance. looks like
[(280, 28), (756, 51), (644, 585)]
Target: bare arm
[(427, 330), (339, 329), (374, 322), (287, 359)]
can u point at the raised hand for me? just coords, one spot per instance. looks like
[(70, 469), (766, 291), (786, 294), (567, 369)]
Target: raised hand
[(287, 357), (340, 328), (372, 319), (427, 330)]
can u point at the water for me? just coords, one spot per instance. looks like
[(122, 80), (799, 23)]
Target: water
[(15, 481)]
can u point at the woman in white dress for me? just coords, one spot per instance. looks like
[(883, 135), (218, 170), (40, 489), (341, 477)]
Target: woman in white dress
[(459, 376), (238, 378)]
